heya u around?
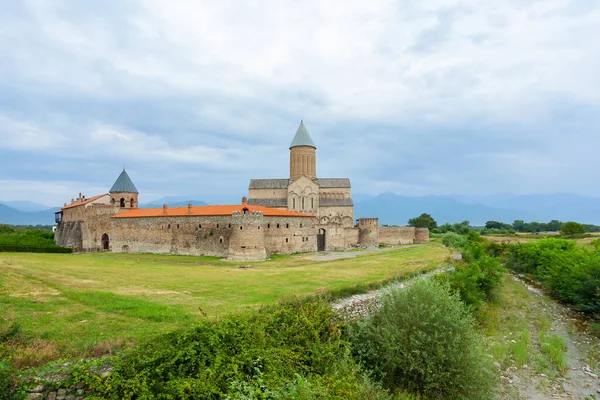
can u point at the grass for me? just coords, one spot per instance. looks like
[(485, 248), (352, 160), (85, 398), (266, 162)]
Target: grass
[(519, 335), (73, 305)]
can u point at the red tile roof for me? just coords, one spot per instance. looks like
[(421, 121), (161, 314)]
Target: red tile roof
[(80, 203), (206, 211)]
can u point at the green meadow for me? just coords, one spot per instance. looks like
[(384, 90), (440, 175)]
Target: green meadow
[(78, 305)]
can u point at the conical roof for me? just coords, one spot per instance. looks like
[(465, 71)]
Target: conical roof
[(302, 137), (123, 184)]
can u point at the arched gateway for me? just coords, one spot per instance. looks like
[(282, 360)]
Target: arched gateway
[(105, 242), (321, 240)]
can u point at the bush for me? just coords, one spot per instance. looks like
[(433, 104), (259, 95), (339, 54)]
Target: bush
[(572, 228), (451, 239), (424, 340), (270, 353), (570, 271)]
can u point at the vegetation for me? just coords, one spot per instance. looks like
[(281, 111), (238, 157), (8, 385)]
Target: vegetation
[(424, 340), (423, 221), (570, 271), (107, 301), (28, 239), (478, 274), (572, 228), (272, 353), (552, 226)]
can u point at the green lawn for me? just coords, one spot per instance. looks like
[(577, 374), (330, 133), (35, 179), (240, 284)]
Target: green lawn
[(71, 305)]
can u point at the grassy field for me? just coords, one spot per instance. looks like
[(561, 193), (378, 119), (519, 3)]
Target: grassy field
[(71, 305)]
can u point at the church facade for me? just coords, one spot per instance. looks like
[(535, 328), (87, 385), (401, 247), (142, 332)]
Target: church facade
[(302, 213)]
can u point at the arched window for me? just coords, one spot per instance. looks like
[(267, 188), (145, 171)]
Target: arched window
[(122, 202), (229, 226), (131, 203), (300, 224), (199, 226), (277, 225), (287, 225), (303, 203), (169, 226), (312, 202), (241, 227), (177, 226), (294, 203), (217, 226), (268, 226), (286, 240), (221, 239)]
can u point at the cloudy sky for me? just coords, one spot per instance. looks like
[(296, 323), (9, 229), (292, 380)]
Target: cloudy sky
[(197, 97)]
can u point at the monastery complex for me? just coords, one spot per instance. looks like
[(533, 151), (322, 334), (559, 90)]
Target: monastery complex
[(302, 213)]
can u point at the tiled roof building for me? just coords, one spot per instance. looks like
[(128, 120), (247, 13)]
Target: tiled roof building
[(301, 213)]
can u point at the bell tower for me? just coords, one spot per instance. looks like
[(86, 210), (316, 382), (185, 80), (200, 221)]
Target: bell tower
[(123, 193), (303, 160)]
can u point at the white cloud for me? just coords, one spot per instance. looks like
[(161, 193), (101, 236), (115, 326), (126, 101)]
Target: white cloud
[(219, 87), (24, 135)]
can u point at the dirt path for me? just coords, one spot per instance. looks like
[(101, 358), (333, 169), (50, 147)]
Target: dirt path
[(340, 255), (580, 380)]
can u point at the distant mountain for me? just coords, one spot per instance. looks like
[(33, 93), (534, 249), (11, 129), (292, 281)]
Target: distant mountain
[(27, 206), (395, 209), (12, 216)]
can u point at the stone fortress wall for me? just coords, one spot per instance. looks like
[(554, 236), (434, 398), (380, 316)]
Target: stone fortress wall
[(302, 213), (391, 235)]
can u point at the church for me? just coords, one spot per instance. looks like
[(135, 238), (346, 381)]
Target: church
[(302, 213)]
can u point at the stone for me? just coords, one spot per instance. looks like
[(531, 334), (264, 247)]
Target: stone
[(80, 392), (51, 396), (38, 389), (34, 396), (70, 397), (62, 392)]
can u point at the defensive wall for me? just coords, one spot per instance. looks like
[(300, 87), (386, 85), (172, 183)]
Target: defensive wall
[(238, 237)]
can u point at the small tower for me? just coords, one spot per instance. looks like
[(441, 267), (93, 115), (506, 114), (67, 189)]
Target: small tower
[(303, 160), (123, 193)]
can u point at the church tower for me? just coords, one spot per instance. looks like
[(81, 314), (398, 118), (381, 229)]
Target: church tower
[(303, 160), (123, 193)]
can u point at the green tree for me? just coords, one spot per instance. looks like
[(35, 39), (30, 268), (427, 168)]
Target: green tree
[(423, 221), (519, 225), (572, 228)]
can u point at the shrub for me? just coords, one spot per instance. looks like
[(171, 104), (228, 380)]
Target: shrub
[(424, 340), (292, 347), (570, 271), (451, 239), (572, 228)]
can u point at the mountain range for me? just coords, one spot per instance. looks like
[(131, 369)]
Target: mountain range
[(393, 209)]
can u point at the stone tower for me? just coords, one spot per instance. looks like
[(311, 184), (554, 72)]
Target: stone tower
[(123, 193), (303, 160)]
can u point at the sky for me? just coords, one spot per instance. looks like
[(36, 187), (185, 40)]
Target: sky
[(194, 98)]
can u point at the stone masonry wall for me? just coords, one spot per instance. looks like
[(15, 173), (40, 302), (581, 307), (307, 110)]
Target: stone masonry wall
[(247, 240), (97, 222), (68, 234), (368, 231), (192, 235), (422, 235), (286, 235), (213, 235), (391, 235)]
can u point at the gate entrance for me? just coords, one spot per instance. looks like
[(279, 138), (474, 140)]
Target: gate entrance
[(105, 242), (321, 240)]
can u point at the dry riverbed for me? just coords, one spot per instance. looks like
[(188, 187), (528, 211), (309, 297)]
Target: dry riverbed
[(543, 350)]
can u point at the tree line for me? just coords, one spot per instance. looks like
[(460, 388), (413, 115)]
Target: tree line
[(495, 227)]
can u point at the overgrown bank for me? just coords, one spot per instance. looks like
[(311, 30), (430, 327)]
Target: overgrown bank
[(301, 349)]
